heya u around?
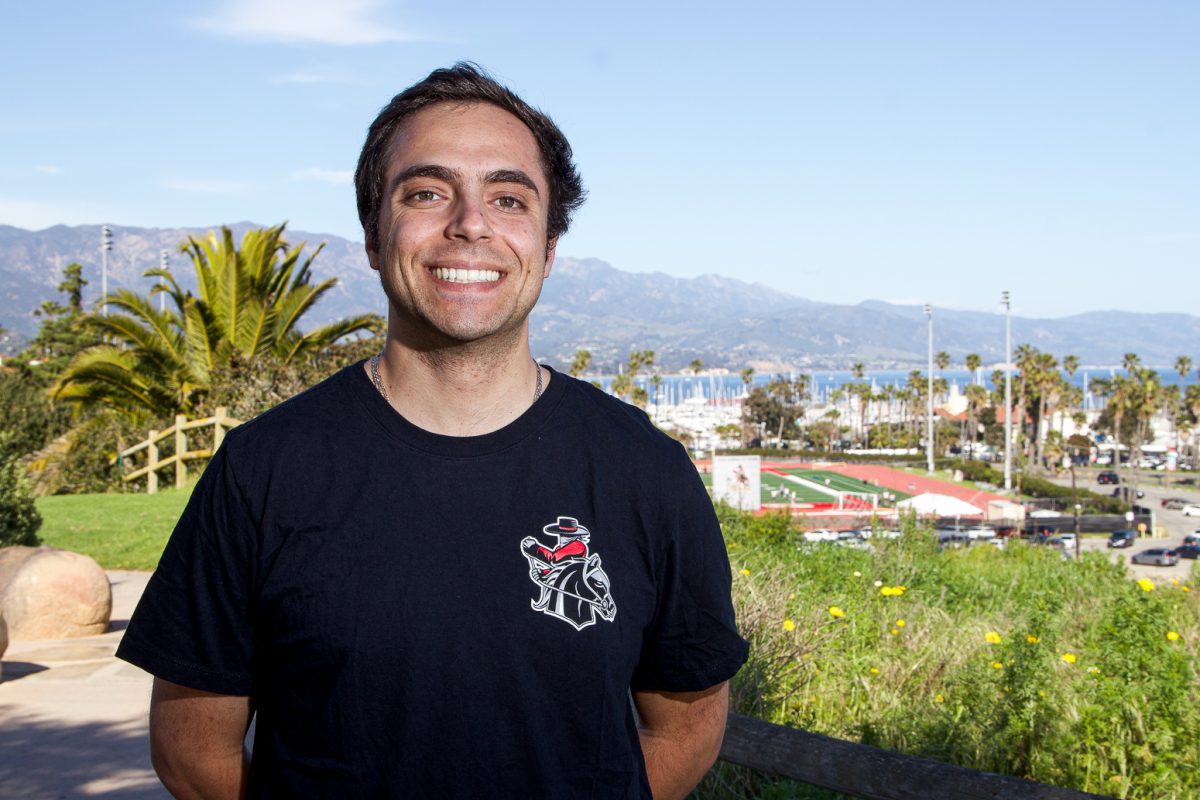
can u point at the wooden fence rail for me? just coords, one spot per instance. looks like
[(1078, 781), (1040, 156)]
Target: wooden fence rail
[(220, 423), (860, 770)]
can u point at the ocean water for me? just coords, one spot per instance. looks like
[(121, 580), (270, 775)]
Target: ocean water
[(674, 389)]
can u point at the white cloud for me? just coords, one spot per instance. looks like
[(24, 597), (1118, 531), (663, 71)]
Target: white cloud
[(336, 177), (49, 169), (206, 185), (346, 22)]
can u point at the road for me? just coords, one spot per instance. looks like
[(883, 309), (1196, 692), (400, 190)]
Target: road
[(1171, 525)]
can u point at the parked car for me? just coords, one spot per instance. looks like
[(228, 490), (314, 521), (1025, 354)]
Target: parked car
[(1108, 476), (1123, 492), (1191, 510), (1192, 538), (1175, 502), (1188, 550), (1122, 538), (1157, 557), (1068, 539)]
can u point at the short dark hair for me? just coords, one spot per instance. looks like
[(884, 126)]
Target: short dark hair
[(466, 83)]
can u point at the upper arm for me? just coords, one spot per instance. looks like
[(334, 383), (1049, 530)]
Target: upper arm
[(697, 716), (195, 724)]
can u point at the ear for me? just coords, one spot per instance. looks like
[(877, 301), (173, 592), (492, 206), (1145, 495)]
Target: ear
[(372, 253), (551, 244)]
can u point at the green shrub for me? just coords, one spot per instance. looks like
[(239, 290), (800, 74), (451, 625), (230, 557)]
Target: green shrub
[(1013, 661), (19, 519)]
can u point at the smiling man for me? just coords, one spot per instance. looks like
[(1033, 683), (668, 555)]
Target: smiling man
[(447, 571)]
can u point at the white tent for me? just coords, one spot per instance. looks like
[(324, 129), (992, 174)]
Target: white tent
[(942, 505)]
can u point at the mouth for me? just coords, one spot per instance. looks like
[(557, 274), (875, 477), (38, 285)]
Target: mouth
[(454, 275)]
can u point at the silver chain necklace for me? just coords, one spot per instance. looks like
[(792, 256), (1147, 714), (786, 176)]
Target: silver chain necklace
[(537, 389)]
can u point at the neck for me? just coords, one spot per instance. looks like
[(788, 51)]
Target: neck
[(457, 392)]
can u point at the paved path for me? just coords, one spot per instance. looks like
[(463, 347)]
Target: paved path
[(73, 719)]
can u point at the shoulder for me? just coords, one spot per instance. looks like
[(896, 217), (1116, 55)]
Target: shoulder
[(306, 417), (620, 422)]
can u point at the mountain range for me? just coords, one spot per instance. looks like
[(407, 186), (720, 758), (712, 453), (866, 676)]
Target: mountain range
[(587, 303)]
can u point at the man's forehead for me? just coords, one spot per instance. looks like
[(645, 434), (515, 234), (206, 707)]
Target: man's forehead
[(472, 130)]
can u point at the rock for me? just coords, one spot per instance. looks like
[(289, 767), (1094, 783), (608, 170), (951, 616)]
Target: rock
[(52, 594)]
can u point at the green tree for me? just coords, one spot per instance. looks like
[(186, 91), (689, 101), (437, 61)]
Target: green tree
[(62, 332), (19, 517), (580, 362), (249, 304), (697, 366), (973, 362)]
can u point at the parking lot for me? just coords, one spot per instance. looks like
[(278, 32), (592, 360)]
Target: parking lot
[(1171, 526)]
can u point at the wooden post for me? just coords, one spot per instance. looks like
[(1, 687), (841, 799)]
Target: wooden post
[(219, 429), (152, 463), (180, 449)]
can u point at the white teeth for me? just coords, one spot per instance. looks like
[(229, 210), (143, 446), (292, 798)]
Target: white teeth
[(466, 275)]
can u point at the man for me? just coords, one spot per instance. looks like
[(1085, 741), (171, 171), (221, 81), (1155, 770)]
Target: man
[(393, 637)]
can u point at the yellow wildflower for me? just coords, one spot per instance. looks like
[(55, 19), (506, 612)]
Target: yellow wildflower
[(899, 623), (836, 612), (1172, 636), (792, 596), (745, 571), (1186, 588), (1032, 639), (1041, 693), (788, 625), (874, 671), (1146, 585), (991, 637), (997, 665), (1069, 658), (895, 631), (886, 591), (937, 698), (1174, 581)]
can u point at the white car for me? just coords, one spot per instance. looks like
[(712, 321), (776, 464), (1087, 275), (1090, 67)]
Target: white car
[(1068, 539), (1191, 510), (821, 535)]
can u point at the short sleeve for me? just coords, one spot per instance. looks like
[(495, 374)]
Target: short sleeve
[(192, 625), (693, 643)]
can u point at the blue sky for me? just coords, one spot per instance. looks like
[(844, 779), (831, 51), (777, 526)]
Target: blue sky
[(917, 152)]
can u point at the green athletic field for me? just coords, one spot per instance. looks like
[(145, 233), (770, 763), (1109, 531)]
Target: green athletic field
[(807, 494)]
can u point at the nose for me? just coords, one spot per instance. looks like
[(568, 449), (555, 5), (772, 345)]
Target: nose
[(469, 220)]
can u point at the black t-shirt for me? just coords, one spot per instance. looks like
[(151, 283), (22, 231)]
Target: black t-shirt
[(418, 615)]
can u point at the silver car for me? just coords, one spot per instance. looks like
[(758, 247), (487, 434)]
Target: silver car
[(1156, 557)]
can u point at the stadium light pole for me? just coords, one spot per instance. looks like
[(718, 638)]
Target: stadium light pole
[(105, 246), (1007, 301), (929, 395)]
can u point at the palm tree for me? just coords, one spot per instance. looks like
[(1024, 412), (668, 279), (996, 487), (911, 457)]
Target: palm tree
[(977, 400), (249, 304), (973, 363), (580, 362), (696, 366)]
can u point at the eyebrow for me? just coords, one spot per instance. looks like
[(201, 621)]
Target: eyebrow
[(448, 175)]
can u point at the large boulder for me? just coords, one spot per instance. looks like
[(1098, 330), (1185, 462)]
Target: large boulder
[(52, 594)]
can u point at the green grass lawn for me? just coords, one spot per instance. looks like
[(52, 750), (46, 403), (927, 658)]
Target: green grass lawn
[(120, 531)]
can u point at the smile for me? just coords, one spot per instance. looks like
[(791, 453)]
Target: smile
[(466, 275)]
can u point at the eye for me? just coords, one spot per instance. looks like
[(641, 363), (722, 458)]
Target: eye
[(424, 196), (509, 202)]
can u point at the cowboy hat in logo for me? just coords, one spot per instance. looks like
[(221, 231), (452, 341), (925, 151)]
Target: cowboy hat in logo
[(573, 586)]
